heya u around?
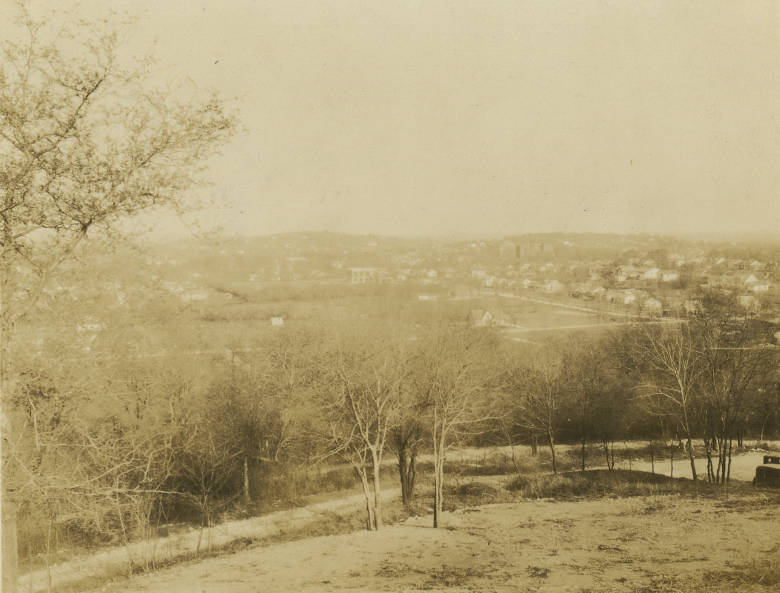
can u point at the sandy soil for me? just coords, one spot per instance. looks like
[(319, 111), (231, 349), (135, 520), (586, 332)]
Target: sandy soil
[(649, 544)]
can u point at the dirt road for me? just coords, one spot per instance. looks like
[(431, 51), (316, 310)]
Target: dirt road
[(114, 561)]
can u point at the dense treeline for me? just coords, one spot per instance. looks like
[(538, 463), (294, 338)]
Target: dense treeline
[(106, 450)]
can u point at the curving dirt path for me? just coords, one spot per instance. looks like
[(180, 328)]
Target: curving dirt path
[(114, 561)]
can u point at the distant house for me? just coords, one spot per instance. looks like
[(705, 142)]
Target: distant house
[(629, 298), (480, 318), (653, 307), (750, 279), (364, 275), (651, 274), (197, 295), (749, 303), (692, 307), (277, 321), (530, 284), (760, 287), (427, 297), (627, 272), (553, 286), (670, 276)]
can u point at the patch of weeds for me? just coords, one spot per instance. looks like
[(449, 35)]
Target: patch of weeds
[(451, 576), (394, 570), (660, 584), (761, 571), (538, 572), (473, 494), (605, 483), (653, 508), (476, 489)]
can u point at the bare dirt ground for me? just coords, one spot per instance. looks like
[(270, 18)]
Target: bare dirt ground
[(649, 544)]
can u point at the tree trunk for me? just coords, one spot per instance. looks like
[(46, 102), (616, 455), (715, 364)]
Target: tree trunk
[(377, 496), (583, 454), (692, 459), (728, 471), (652, 458), (534, 444), (436, 493), (9, 543), (247, 496), (407, 469), (671, 460), (435, 505), (551, 441), (361, 473), (438, 486)]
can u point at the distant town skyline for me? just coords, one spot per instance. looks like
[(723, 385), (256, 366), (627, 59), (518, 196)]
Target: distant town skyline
[(465, 118)]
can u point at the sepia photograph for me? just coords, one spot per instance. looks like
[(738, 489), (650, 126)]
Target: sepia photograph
[(329, 296)]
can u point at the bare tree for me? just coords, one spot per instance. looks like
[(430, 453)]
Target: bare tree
[(84, 144), (405, 440), (670, 368), (453, 368), (736, 365), (363, 407), (538, 387)]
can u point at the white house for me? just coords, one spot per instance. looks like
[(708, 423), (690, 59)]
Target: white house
[(553, 286), (670, 276), (750, 279), (653, 306), (480, 318)]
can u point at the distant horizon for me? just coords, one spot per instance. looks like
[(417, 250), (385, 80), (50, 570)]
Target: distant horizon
[(734, 236)]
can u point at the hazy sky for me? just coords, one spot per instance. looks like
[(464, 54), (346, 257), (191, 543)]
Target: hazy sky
[(448, 116)]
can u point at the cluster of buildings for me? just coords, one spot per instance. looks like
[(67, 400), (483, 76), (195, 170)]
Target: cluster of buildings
[(637, 284), (636, 273)]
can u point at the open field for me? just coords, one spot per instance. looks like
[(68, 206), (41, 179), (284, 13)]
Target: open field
[(648, 544)]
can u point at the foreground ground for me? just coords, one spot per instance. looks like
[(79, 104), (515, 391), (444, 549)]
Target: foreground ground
[(648, 544)]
